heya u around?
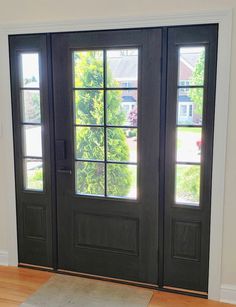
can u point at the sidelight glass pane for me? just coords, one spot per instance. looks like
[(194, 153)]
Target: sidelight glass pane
[(122, 68), (189, 107), (187, 184), (30, 70), (189, 143), (122, 144), (122, 107), (89, 107), (32, 140), (89, 143), (122, 180), (33, 174), (31, 112), (191, 66), (89, 178), (88, 69)]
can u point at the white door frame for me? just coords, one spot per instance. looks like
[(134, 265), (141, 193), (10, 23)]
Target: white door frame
[(224, 19)]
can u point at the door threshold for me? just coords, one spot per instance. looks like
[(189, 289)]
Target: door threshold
[(188, 292), (36, 267), (137, 284), (118, 280), (109, 279)]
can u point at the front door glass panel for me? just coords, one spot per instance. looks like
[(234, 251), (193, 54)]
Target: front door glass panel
[(105, 108)]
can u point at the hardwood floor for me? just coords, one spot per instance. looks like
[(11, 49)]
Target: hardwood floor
[(16, 284), (164, 299)]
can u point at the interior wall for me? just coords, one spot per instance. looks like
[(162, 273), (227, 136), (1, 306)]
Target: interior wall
[(7, 183), (3, 196), (43, 11), (229, 237), (48, 11)]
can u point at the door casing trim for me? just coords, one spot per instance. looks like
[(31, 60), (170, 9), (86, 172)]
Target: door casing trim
[(224, 19)]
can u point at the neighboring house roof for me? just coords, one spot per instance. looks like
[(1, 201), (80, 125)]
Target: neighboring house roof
[(184, 98), (190, 59), (124, 68), (128, 99)]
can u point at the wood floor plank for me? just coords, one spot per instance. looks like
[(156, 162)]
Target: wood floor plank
[(16, 284), (164, 299)]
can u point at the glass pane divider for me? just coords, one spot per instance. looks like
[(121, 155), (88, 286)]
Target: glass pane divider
[(88, 88), (29, 88), (121, 88), (88, 126), (190, 86), (30, 124), (103, 161), (120, 126), (186, 205), (189, 126), (103, 88), (90, 160), (188, 163), (33, 158), (105, 119), (120, 162), (101, 126)]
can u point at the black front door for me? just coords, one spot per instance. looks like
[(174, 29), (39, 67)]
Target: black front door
[(113, 140), (107, 149)]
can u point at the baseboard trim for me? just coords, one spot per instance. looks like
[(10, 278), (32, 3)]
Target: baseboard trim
[(228, 293), (3, 258)]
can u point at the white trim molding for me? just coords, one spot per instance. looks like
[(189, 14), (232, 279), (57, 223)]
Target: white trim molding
[(182, 17), (224, 19), (228, 294), (3, 258)]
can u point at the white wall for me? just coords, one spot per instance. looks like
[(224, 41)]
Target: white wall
[(47, 11), (7, 197), (43, 11)]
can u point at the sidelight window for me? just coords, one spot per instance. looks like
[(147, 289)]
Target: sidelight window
[(189, 141), (31, 123)]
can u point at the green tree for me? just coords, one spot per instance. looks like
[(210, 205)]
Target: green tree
[(198, 79), (188, 183), (32, 106), (89, 110), (35, 179)]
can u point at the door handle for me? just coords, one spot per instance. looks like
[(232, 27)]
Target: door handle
[(65, 171)]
